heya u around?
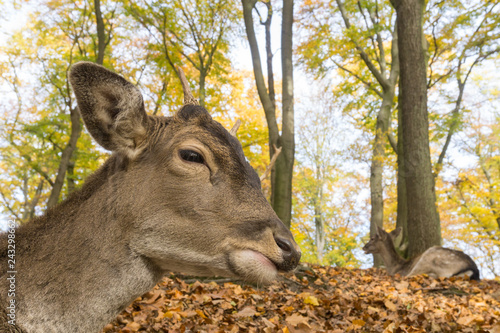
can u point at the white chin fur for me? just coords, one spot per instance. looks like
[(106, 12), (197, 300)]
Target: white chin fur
[(254, 267)]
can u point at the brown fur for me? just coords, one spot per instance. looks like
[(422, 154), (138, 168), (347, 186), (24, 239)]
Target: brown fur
[(144, 212), (436, 262)]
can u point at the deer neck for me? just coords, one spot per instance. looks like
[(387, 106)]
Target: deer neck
[(394, 263), (74, 263)]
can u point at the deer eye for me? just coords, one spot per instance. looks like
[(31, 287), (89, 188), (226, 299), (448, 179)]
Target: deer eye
[(191, 156)]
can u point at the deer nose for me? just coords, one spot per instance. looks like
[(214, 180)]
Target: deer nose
[(291, 254)]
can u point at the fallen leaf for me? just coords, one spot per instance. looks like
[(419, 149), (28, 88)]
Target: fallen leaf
[(296, 319), (311, 300), (359, 322), (247, 311), (201, 314), (391, 306)]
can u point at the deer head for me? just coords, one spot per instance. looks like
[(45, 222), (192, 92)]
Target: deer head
[(381, 240), (183, 186)]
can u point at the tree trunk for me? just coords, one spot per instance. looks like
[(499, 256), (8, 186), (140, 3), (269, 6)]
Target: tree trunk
[(76, 130), (320, 231), (318, 212), (70, 176), (101, 36), (381, 133), (377, 167), (281, 177), (424, 229), (402, 209), (202, 88), (282, 191)]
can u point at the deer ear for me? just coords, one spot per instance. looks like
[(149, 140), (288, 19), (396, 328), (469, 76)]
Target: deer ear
[(111, 107), (395, 233), (381, 232)]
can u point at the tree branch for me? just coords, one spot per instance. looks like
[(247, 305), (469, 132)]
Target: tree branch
[(369, 85), (366, 59), (266, 173)]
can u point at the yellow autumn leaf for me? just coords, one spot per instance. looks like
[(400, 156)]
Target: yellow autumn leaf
[(359, 322), (201, 314), (311, 300)]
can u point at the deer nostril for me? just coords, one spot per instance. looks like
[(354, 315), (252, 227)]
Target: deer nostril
[(285, 245), (291, 256)]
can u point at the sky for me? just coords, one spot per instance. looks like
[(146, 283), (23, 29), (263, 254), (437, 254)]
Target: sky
[(11, 20)]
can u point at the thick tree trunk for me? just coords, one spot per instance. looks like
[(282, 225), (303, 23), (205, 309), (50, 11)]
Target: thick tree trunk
[(424, 228)]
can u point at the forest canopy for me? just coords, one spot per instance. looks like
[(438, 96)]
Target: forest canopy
[(347, 127)]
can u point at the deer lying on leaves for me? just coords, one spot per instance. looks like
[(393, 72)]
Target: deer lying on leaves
[(177, 194), (436, 262)]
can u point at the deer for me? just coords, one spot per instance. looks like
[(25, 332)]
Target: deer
[(436, 261), (176, 194)]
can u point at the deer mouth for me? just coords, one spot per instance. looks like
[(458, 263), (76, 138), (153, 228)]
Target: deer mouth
[(253, 266), (265, 261), (369, 251)]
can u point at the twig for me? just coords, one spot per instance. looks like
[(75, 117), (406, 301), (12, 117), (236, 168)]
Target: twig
[(277, 151), (235, 128)]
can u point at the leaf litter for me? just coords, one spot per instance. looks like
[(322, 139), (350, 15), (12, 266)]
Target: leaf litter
[(316, 299)]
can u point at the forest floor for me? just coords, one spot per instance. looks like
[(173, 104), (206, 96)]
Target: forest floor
[(316, 299)]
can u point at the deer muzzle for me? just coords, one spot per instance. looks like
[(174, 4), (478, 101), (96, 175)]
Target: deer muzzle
[(291, 254)]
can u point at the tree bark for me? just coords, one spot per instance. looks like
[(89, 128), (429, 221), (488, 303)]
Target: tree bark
[(282, 191), (377, 166), (101, 35), (320, 231), (318, 212), (65, 157), (424, 228), (281, 177), (402, 208)]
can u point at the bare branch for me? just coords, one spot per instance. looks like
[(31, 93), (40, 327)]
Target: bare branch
[(188, 95), (235, 128), (6, 201), (266, 173), (393, 142)]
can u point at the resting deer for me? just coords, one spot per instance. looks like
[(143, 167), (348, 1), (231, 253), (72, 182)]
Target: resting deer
[(436, 262), (177, 194)]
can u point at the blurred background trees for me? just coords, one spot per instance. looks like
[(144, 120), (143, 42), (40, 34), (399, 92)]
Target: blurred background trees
[(345, 139)]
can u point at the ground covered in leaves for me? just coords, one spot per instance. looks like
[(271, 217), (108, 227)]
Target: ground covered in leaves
[(317, 299)]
